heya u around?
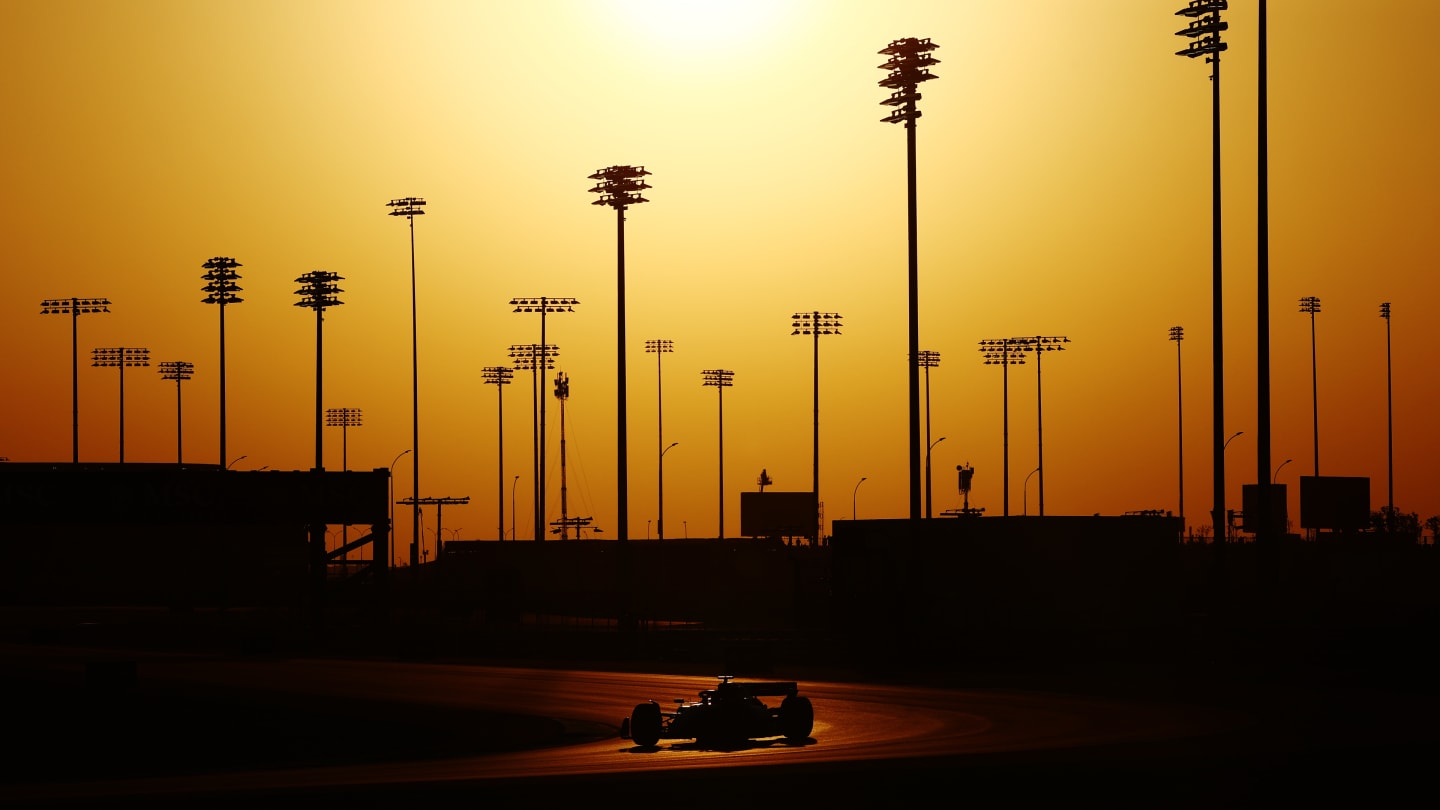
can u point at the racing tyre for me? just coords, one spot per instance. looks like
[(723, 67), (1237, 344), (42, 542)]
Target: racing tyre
[(797, 718), (645, 724)]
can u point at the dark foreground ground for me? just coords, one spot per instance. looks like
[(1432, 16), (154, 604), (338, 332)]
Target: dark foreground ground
[(1344, 715)]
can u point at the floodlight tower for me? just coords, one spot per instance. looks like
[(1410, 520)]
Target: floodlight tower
[(220, 289), (619, 187), (536, 358), (1311, 305), (562, 393), (908, 66), (343, 418), (660, 348), (543, 306), (721, 379), (1204, 34), (411, 207), (499, 376), (74, 307), (1389, 420), (121, 357), (927, 360), (1177, 334), (318, 291), (1039, 345), (179, 371), (816, 324), (1004, 352)]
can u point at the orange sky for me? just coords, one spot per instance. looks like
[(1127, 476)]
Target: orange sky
[(1064, 189)]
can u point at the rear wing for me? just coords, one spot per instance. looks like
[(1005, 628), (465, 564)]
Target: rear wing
[(767, 688)]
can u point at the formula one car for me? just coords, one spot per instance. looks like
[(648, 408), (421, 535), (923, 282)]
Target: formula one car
[(729, 713)]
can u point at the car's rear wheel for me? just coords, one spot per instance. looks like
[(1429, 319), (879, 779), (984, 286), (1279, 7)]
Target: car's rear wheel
[(797, 718), (645, 724)]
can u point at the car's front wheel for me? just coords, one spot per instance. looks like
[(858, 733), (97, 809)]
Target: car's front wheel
[(797, 718), (645, 724)]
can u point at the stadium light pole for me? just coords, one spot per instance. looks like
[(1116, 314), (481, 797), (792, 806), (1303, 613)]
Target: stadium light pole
[(927, 360), (411, 207), (179, 371), (1389, 422), (120, 358), (660, 348), (74, 307), (319, 291), (1004, 352), (1040, 345), (908, 65), (343, 418), (499, 376), (1204, 32), (1177, 334), (220, 289), (721, 379), (536, 358), (543, 306), (816, 324), (1311, 306), (620, 187)]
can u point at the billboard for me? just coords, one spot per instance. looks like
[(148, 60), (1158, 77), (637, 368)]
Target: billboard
[(1334, 502), (779, 514)]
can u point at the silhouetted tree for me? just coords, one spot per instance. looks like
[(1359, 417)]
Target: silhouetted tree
[(1400, 525)]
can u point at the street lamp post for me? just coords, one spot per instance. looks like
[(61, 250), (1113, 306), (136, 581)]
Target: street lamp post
[(721, 379), (220, 289), (1025, 493), (854, 495), (543, 306), (392, 505), (620, 187), (1276, 477), (660, 348), (1225, 529), (536, 358), (1004, 352), (927, 360), (909, 65), (1177, 334), (816, 324), (1311, 305), (513, 485), (499, 376), (179, 371), (1389, 423), (660, 520), (120, 358), (1204, 32), (927, 473), (318, 291), (74, 307), (411, 207)]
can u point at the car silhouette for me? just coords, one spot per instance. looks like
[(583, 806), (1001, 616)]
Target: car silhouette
[(731, 712)]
